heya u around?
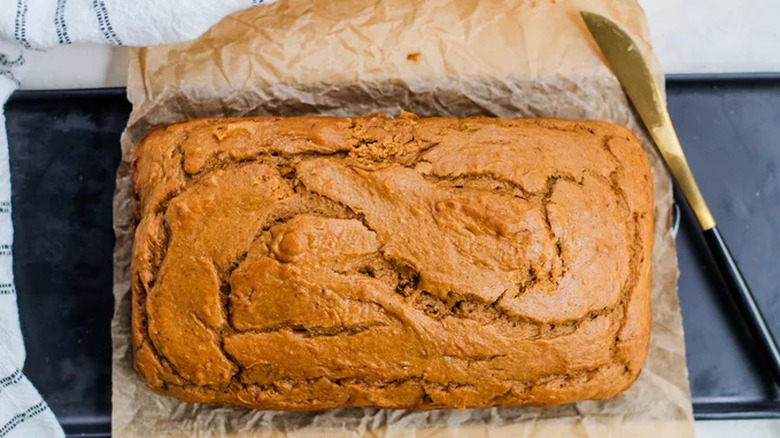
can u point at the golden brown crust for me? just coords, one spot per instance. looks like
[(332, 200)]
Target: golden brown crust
[(309, 263)]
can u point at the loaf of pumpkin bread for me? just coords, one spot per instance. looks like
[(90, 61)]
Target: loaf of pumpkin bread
[(313, 262)]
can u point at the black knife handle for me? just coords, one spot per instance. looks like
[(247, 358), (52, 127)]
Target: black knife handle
[(743, 298)]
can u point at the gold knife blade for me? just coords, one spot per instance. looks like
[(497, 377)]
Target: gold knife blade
[(626, 61)]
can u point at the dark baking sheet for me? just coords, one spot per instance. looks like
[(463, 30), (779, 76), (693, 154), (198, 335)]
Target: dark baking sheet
[(65, 149)]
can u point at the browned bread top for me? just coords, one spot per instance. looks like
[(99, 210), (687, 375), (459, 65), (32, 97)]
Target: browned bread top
[(309, 263)]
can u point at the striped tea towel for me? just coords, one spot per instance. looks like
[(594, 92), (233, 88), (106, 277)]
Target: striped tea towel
[(38, 25)]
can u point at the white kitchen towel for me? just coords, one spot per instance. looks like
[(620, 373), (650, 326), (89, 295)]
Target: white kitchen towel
[(38, 25)]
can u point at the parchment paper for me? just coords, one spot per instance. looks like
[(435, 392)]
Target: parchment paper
[(432, 57)]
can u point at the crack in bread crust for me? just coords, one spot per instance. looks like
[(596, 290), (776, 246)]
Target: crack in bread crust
[(395, 294)]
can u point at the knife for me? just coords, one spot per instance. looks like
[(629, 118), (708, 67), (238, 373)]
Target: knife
[(630, 67)]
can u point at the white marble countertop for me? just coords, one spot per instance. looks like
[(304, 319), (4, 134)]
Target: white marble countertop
[(689, 36)]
